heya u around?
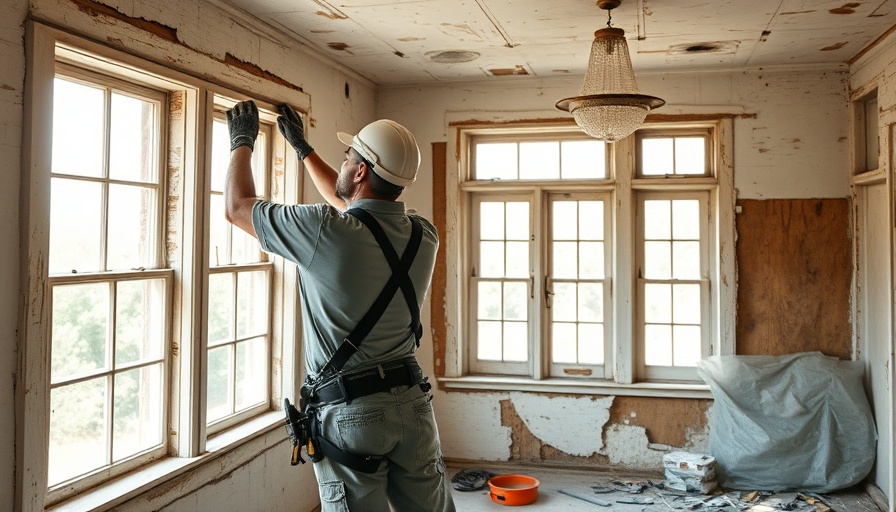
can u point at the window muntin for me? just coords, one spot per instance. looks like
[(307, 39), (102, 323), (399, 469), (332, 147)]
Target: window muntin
[(109, 308)]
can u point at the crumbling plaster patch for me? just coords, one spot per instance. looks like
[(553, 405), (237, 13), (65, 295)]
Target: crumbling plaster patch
[(570, 424)]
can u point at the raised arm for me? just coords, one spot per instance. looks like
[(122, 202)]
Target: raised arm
[(322, 174), (239, 186)]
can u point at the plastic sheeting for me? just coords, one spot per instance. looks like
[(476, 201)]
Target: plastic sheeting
[(794, 422)]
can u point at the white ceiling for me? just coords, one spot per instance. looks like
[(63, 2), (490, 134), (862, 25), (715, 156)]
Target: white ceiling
[(395, 42)]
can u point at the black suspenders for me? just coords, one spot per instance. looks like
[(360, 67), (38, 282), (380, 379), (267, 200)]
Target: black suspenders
[(399, 279)]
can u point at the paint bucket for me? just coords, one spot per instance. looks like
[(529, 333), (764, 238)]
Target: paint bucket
[(513, 489)]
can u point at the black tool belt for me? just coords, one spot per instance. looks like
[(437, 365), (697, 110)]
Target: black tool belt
[(348, 386)]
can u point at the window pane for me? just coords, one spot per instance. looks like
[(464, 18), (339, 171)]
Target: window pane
[(563, 343), (219, 229), (491, 221), (686, 260), (245, 248), (491, 256), (657, 303), (78, 120), (78, 429), (220, 154), (140, 311), (591, 220), (564, 302), (657, 260), (131, 242), (133, 139), (516, 341), (80, 330), (591, 344), (686, 304), (583, 159), (686, 219), (496, 161), (252, 304), (220, 383), (489, 296), (220, 307), (137, 420), (75, 240), (565, 260), (591, 302), (690, 155), (539, 160), (518, 221), (686, 345), (657, 156), (251, 373), (516, 301), (565, 220), (658, 345), (657, 220), (591, 260), (517, 259), (489, 341)]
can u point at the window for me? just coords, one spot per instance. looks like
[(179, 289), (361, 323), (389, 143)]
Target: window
[(590, 262), (156, 330), (866, 133)]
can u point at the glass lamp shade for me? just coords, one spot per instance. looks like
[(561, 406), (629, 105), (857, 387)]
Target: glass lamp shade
[(609, 106)]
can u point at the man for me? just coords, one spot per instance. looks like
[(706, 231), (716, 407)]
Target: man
[(364, 267)]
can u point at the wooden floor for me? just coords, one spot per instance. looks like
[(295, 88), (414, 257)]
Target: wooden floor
[(652, 497)]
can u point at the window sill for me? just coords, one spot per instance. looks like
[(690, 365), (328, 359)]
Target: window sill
[(131, 485), (581, 387)]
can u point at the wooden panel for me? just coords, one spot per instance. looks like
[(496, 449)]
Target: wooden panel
[(794, 270), (438, 316)]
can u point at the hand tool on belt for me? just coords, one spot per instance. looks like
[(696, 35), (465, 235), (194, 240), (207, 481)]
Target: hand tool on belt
[(332, 386)]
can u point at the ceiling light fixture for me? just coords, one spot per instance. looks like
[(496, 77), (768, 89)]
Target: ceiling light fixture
[(609, 106)]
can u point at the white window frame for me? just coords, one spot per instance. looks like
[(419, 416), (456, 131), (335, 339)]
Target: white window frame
[(189, 444), (621, 373)]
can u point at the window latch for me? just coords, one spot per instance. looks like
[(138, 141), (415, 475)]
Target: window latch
[(547, 292)]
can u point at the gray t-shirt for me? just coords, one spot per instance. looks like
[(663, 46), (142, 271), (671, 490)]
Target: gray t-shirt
[(341, 272)]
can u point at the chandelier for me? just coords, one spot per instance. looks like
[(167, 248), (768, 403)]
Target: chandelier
[(609, 106)]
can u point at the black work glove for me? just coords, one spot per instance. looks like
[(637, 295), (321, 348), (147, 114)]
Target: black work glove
[(290, 125), (242, 121)]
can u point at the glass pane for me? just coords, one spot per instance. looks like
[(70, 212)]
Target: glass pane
[(657, 220), (516, 341), (489, 341), (78, 120), (591, 302), (539, 160), (686, 304), (220, 383), (591, 220), (686, 260), (686, 219), (657, 303), (219, 229), (491, 256), (658, 345), (565, 260), (78, 429), (244, 247), (496, 161), (489, 298), (515, 301), (220, 307), (564, 302), (491, 221), (690, 155), (251, 373), (140, 313), (518, 221), (657, 260), (137, 421), (75, 240), (517, 259), (591, 344), (591, 260), (133, 143), (220, 154), (687, 345), (252, 304), (656, 157), (80, 330), (564, 343), (132, 239), (565, 220), (260, 162), (583, 159)]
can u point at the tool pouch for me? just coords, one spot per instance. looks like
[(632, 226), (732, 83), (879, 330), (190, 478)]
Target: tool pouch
[(298, 426)]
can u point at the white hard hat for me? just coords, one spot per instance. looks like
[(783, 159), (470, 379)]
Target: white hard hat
[(390, 147)]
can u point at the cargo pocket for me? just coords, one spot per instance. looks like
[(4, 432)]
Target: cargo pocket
[(332, 497)]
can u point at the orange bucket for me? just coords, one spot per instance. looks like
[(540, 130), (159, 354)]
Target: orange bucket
[(513, 489)]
